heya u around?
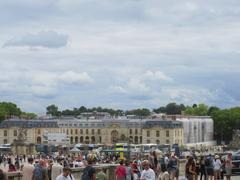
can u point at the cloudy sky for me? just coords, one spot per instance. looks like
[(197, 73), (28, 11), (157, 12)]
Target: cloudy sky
[(119, 54)]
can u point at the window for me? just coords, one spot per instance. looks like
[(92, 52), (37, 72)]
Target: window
[(157, 134), (130, 131), (76, 131), (148, 141), (5, 134), (167, 133), (136, 131), (148, 133), (81, 131), (167, 141), (71, 131), (157, 142), (86, 131), (5, 141), (99, 131), (15, 133), (92, 131), (67, 131)]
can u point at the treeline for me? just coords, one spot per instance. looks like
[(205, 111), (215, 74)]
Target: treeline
[(9, 110)]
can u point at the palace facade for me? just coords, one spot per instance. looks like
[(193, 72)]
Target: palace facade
[(93, 131)]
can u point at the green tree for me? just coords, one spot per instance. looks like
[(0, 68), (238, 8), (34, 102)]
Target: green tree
[(197, 110), (52, 110), (173, 108)]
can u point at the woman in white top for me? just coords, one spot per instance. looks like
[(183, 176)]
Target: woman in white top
[(217, 167)]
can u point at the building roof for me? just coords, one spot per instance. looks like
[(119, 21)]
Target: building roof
[(29, 123)]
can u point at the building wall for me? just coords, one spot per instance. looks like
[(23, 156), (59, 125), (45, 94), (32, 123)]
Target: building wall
[(197, 129)]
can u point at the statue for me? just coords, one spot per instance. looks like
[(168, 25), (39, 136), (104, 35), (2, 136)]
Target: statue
[(22, 134), (236, 139)]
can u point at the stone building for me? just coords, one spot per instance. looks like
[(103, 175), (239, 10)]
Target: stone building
[(104, 131)]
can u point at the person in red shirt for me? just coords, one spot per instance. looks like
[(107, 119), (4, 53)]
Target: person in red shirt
[(120, 172)]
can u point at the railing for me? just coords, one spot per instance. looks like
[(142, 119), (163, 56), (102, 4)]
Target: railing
[(76, 172)]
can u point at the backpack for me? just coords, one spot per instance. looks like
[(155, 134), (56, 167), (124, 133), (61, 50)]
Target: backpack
[(39, 173), (208, 162), (86, 173)]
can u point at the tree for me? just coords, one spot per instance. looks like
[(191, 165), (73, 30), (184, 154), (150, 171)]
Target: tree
[(52, 110), (212, 109), (197, 110), (139, 112), (161, 109), (173, 108)]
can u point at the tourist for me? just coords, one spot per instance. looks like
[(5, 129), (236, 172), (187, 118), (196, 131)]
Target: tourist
[(101, 175), (190, 169), (217, 167), (135, 170), (40, 171), (120, 171), (173, 166), (11, 168), (128, 171), (209, 166), (57, 169), (147, 173), (49, 169), (65, 174), (27, 170), (202, 168), (3, 175), (164, 175), (228, 166), (89, 172)]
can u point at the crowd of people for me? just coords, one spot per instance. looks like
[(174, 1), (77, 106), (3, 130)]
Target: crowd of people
[(150, 167)]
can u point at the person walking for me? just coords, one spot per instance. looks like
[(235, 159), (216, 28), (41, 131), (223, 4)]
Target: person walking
[(27, 170), (217, 167), (147, 173), (89, 172), (120, 171), (57, 169), (190, 169), (228, 166)]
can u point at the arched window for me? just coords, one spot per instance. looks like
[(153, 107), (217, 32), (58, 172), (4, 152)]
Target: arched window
[(39, 140), (136, 140), (81, 139), (157, 141), (93, 140), (76, 139)]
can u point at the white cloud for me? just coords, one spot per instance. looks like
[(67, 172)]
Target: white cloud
[(73, 77), (125, 54), (157, 75), (46, 39)]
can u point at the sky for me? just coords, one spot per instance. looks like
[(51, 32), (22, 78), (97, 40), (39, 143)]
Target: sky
[(119, 54)]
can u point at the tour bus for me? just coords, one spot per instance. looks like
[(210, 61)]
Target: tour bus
[(146, 148), (5, 148)]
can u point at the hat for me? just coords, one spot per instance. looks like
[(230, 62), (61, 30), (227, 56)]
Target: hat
[(216, 156)]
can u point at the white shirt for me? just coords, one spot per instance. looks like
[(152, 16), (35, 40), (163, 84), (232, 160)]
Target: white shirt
[(57, 169), (27, 171), (61, 177), (217, 164), (148, 174)]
